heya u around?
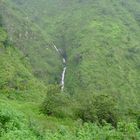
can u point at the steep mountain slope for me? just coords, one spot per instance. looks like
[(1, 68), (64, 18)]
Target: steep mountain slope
[(100, 40), (27, 36), (16, 78)]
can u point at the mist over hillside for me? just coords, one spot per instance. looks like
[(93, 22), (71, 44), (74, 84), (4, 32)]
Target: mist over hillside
[(66, 64)]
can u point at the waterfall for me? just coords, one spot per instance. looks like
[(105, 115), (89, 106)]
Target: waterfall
[(56, 49), (62, 83), (63, 79)]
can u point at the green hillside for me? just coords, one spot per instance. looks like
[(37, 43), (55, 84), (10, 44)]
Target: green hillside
[(100, 41), (28, 37)]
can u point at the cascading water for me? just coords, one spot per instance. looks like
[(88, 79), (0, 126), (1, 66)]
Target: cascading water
[(62, 83), (63, 79), (56, 49)]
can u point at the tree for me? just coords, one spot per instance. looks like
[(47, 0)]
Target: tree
[(98, 108), (56, 103)]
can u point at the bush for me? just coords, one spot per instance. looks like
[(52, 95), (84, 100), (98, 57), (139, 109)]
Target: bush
[(91, 131), (98, 108), (3, 35), (92, 108), (13, 125), (56, 103)]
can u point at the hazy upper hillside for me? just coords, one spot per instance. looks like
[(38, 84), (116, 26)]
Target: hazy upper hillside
[(100, 39), (28, 38)]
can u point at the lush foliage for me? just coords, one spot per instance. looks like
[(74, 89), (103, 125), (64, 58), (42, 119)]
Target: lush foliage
[(100, 41), (56, 103), (94, 132), (14, 125)]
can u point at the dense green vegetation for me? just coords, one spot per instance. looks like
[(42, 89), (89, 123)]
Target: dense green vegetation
[(100, 41), (29, 39), (14, 125)]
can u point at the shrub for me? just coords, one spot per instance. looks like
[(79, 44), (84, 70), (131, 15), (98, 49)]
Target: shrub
[(98, 108), (13, 125), (90, 131), (56, 103), (92, 108), (3, 35)]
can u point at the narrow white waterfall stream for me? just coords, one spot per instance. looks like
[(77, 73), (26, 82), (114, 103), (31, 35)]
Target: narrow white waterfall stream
[(63, 79), (62, 83), (56, 48), (64, 60)]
